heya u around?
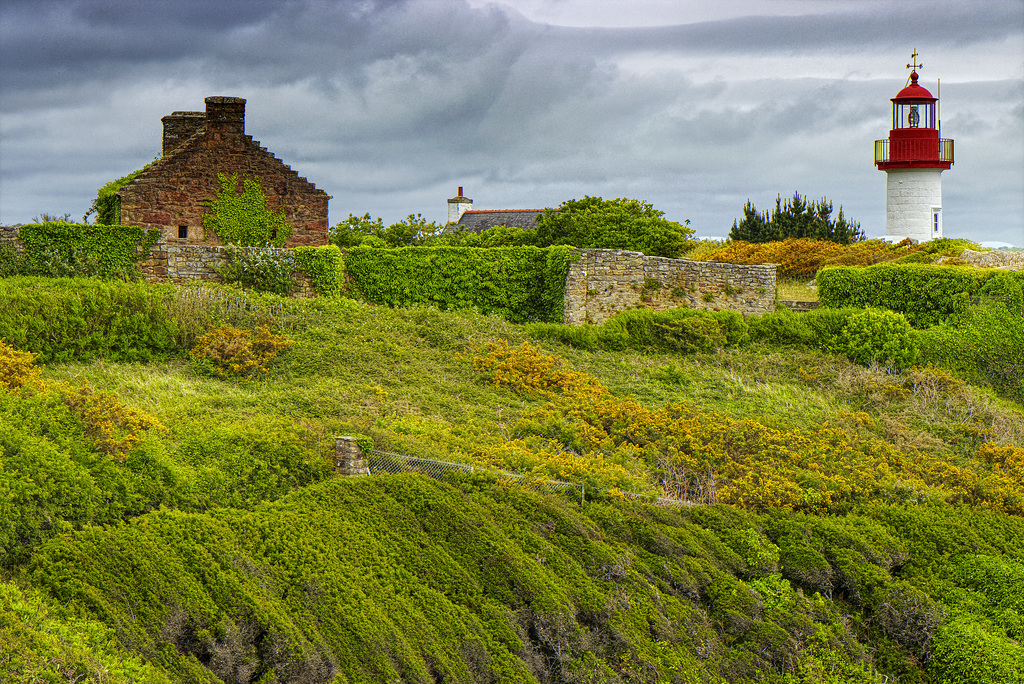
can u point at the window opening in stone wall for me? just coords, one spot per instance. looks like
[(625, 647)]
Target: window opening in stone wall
[(182, 232), (935, 220)]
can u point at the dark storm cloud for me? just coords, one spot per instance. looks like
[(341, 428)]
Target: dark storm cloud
[(384, 103)]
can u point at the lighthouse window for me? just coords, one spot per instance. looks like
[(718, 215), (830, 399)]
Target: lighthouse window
[(935, 221), (917, 115)]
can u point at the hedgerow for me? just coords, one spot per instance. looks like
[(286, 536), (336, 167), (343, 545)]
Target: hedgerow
[(518, 283), (81, 319), (927, 295), (62, 250)]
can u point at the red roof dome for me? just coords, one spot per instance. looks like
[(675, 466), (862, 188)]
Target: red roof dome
[(913, 91)]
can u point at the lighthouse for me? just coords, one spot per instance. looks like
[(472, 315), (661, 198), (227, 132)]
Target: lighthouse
[(913, 158)]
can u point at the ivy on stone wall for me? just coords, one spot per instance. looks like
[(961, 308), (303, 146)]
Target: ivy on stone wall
[(244, 218), (107, 205), (274, 269), (63, 250), (325, 267), (518, 283)]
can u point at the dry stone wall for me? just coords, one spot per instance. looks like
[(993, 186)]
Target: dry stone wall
[(604, 282), (176, 263)]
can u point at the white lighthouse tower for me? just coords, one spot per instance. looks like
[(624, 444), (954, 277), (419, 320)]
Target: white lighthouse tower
[(913, 158)]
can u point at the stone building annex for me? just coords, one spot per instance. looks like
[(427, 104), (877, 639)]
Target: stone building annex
[(172, 193)]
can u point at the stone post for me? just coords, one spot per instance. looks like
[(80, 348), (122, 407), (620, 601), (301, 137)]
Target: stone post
[(348, 457)]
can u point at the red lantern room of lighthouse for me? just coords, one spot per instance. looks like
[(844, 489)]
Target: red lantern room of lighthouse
[(913, 157)]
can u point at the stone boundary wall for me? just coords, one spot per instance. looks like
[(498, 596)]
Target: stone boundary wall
[(604, 282), (175, 263), (184, 263)]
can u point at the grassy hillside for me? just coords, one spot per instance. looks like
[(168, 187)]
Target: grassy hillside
[(167, 520)]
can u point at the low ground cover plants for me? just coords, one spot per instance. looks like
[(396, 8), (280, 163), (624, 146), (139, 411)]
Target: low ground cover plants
[(840, 513)]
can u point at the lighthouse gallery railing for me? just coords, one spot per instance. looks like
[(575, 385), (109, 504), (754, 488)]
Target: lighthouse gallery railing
[(919, 150)]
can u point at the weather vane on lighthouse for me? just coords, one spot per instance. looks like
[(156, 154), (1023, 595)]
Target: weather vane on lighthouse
[(914, 65), (913, 157)]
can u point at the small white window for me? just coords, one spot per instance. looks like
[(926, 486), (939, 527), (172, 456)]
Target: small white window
[(936, 223)]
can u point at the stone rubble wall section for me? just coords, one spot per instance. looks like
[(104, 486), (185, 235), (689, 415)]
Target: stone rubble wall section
[(9, 236), (1011, 261), (183, 263), (604, 282), (349, 460)]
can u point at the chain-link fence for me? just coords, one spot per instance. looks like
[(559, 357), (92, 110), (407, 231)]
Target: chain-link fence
[(386, 462)]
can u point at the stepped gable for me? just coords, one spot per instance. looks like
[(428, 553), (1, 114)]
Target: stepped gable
[(171, 195)]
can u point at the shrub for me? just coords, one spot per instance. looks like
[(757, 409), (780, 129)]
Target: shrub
[(263, 270), (16, 367), (780, 327), (228, 352), (879, 336), (984, 344), (677, 330), (63, 320)]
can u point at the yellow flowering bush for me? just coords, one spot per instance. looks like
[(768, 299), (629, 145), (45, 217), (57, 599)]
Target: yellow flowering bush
[(16, 367), (113, 427), (586, 434), (229, 352)]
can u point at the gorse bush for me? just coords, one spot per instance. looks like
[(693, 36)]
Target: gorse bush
[(16, 367), (228, 352), (803, 257)]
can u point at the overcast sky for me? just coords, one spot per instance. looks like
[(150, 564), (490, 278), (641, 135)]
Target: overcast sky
[(390, 105)]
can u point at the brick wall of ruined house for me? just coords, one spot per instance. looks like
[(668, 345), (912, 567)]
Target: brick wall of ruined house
[(604, 282)]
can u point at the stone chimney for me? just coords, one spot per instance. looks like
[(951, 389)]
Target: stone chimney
[(180, 126), (457, 206), (225, 115)]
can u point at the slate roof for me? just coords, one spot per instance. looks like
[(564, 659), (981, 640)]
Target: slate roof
[(479, 220)]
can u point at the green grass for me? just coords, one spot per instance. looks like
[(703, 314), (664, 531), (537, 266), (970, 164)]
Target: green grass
[(796, 290)]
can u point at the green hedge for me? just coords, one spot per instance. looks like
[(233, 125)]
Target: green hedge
[(325, 266), (518, 283), (64, 319), (58, 249), (925, 294)]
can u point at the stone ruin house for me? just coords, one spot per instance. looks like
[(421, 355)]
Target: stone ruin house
[(171, 194)]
